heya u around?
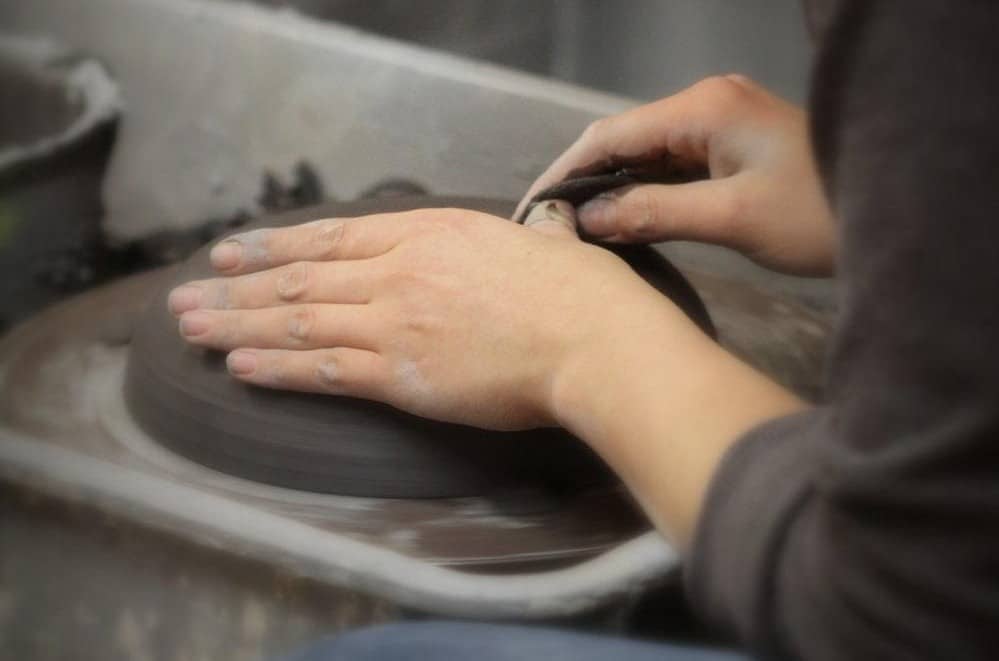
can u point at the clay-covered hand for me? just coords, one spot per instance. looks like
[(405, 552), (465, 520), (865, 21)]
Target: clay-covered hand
[(446, 313), (763, 197)]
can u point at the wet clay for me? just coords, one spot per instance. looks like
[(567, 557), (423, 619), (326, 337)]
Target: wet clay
[(184, 397)]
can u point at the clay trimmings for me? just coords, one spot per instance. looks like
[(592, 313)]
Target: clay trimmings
[(580, 188), (184, 397)]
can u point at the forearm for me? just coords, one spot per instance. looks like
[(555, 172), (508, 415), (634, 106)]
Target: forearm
[(662, 407)]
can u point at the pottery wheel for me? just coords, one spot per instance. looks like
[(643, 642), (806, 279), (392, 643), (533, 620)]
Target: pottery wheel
[(65, 427), (183, 397)]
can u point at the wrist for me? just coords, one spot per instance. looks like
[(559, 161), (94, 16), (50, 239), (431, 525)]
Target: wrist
[(641, 346), (661, 403)]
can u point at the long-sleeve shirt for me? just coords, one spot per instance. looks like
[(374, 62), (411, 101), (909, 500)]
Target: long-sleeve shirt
[(868, 527)]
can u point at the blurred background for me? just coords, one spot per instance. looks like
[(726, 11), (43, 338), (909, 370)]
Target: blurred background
[(180, 118), (644, 49)]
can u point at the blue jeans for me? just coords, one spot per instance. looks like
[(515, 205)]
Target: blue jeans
[(461, 641)]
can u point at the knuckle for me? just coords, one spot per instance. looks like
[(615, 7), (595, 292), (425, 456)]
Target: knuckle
[(722, 86), (327, 373), (443, 222), (329, 237), (401, 280), (416, 277), (301, 324), (596, 130), (741, 80), (419, 322), (728, 100), (293, 281), (450, 220), (722, 92)]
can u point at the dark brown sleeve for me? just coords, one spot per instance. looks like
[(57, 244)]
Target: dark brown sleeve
[(869, 528)]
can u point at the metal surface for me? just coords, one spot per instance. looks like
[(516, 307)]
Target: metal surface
[(79, 585)]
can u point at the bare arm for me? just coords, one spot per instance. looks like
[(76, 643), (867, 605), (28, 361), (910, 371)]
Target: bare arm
[(662, 413)]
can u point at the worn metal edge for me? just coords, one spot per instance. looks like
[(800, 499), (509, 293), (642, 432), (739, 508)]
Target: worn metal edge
[(296, 26), (217, 522)]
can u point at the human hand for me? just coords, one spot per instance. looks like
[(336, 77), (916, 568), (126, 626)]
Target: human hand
[(763, 197), (445, 313)]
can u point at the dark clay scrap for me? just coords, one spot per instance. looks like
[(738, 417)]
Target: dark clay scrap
[(582, 186), (184, 398), (582, 189)]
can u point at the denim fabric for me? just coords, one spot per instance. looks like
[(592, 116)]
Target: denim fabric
[(461, 641)]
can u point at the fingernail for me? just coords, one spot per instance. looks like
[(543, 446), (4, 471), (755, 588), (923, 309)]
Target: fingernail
[(597, 215), (194, 323), (227, 254), (560, 211), (184, 298), (241, 363), (535, 214)]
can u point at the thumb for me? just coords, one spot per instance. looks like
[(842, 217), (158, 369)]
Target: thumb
[(553, 217), (646, 213)]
